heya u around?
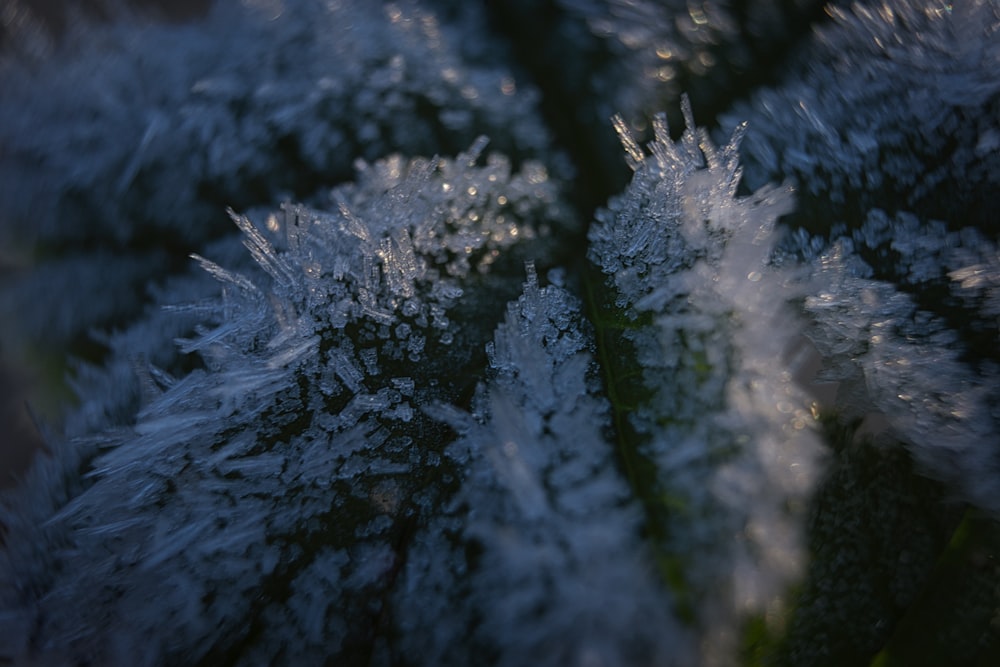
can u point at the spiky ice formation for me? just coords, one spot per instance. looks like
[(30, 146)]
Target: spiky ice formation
[(261, 502), (537, 559), (724, 453)]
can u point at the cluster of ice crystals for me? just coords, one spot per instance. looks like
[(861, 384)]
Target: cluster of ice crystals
[(896, 361), (374, 278), (537, 559), (289, 461), (132, 137), (726, 428), (897, 102)]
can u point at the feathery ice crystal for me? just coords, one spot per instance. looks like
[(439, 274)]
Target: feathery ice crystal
[(355, 454), (298, 456), (719, 419), (541, 544)]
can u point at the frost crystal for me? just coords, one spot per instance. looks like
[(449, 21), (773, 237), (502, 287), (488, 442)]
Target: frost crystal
[(905, 365), (289, 462), (721, 422), (540, 546), (896, 104)]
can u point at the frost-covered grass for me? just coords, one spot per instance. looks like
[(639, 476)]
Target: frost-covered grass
[(408, 402)]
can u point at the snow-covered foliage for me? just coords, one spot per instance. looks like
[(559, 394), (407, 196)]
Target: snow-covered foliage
[(722, 422), (728, 423)]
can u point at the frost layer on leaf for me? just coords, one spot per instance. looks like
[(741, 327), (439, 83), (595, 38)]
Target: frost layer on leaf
[(130, 128), (726, 455), (537, 559), (905, 365), (894, 104), (263, 501)]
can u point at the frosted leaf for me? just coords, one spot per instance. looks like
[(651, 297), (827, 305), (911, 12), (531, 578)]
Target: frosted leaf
[(726, 429), (888, 107), (911, 372), (558, 574), (300, 428), (134, 134)]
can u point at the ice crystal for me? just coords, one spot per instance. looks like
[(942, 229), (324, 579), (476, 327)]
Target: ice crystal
[(724, 426), (894, 105), (540, 545), (300, 425)]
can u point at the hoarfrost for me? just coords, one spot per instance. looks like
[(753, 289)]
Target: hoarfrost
[(294, 435), (888, 107), (537, 559), (725, 428), (327, 466)]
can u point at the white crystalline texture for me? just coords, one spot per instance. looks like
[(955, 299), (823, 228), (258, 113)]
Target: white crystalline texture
[(912, 373), (727, 429), (559, 576), (292, 431), (133, 135), (894, 104)]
